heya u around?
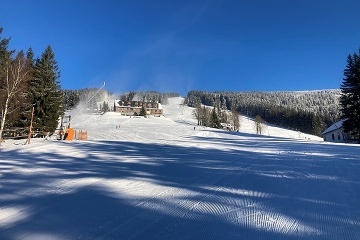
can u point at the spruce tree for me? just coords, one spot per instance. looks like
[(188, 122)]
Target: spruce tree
[(105, 107), (214, 119), (350, 97), (25, 116), (45, 92), (142, 111), (5, 55)]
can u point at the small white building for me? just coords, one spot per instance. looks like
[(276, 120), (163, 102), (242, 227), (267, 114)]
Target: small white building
[(335, 133)]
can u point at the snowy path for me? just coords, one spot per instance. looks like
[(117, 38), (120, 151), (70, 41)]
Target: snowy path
[(157, 178)]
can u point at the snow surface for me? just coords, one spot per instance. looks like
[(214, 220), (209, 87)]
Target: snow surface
[(158, 178)]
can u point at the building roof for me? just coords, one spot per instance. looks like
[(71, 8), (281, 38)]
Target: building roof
[(116, 102), (334, 127)]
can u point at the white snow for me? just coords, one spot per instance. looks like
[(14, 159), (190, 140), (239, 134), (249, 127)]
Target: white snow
[(158, 178)]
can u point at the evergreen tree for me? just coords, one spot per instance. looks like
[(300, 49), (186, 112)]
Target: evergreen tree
[(5, 56), (205, 117), (142, 111), (4, 52), (71, 99), (105, 107), (45, 92), (292, 110), (350, 96), (30, 58), (214, 119), (4, 60), (25, 116)]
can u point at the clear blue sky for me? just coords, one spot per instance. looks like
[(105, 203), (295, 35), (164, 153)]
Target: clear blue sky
[(172, 45)]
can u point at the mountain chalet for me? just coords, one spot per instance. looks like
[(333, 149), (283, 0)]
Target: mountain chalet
[(133, 108)]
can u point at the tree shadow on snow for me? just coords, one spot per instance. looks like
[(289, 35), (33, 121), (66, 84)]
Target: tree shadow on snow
[(269, 189)]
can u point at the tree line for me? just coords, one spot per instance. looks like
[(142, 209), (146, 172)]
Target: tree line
[(308, 112), (29, 88), (148, 96)]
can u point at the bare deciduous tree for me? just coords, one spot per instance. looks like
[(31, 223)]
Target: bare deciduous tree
[(202, 115), (259, 124), (197, 114), (205, 116), (16, 73), (235, 120)]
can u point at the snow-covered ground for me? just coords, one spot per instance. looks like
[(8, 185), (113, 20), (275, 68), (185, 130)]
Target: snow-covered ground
[(158, 178)]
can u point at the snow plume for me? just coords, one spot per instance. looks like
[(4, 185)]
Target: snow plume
[(91, 101), (137, 97), (81, 108), (111, 99), (166, 82), (173, 82)]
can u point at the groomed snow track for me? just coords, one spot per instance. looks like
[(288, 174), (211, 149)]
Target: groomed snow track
[(166, 181)]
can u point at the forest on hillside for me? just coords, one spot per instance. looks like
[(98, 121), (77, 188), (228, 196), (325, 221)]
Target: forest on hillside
[(305, 111)]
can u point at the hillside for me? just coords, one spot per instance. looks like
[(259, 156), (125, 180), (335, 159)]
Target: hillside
[(158, 178), (308, 111), (115, 127)]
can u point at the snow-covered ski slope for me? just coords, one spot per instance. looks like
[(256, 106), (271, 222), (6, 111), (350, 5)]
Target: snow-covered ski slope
[(158, 178)]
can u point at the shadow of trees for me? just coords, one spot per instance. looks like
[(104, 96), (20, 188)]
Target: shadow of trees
[(272, 189)]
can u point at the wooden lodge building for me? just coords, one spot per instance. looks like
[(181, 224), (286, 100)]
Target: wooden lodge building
[(133, 108)]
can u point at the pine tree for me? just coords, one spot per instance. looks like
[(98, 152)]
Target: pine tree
[(205, 117), (142, 111), (5, 55), (350, 96), (214, 119), (71, 99), (105, 107), (25, 116), (45, 92)]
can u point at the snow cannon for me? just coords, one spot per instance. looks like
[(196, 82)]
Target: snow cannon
[(72, 134), (69, 134)]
